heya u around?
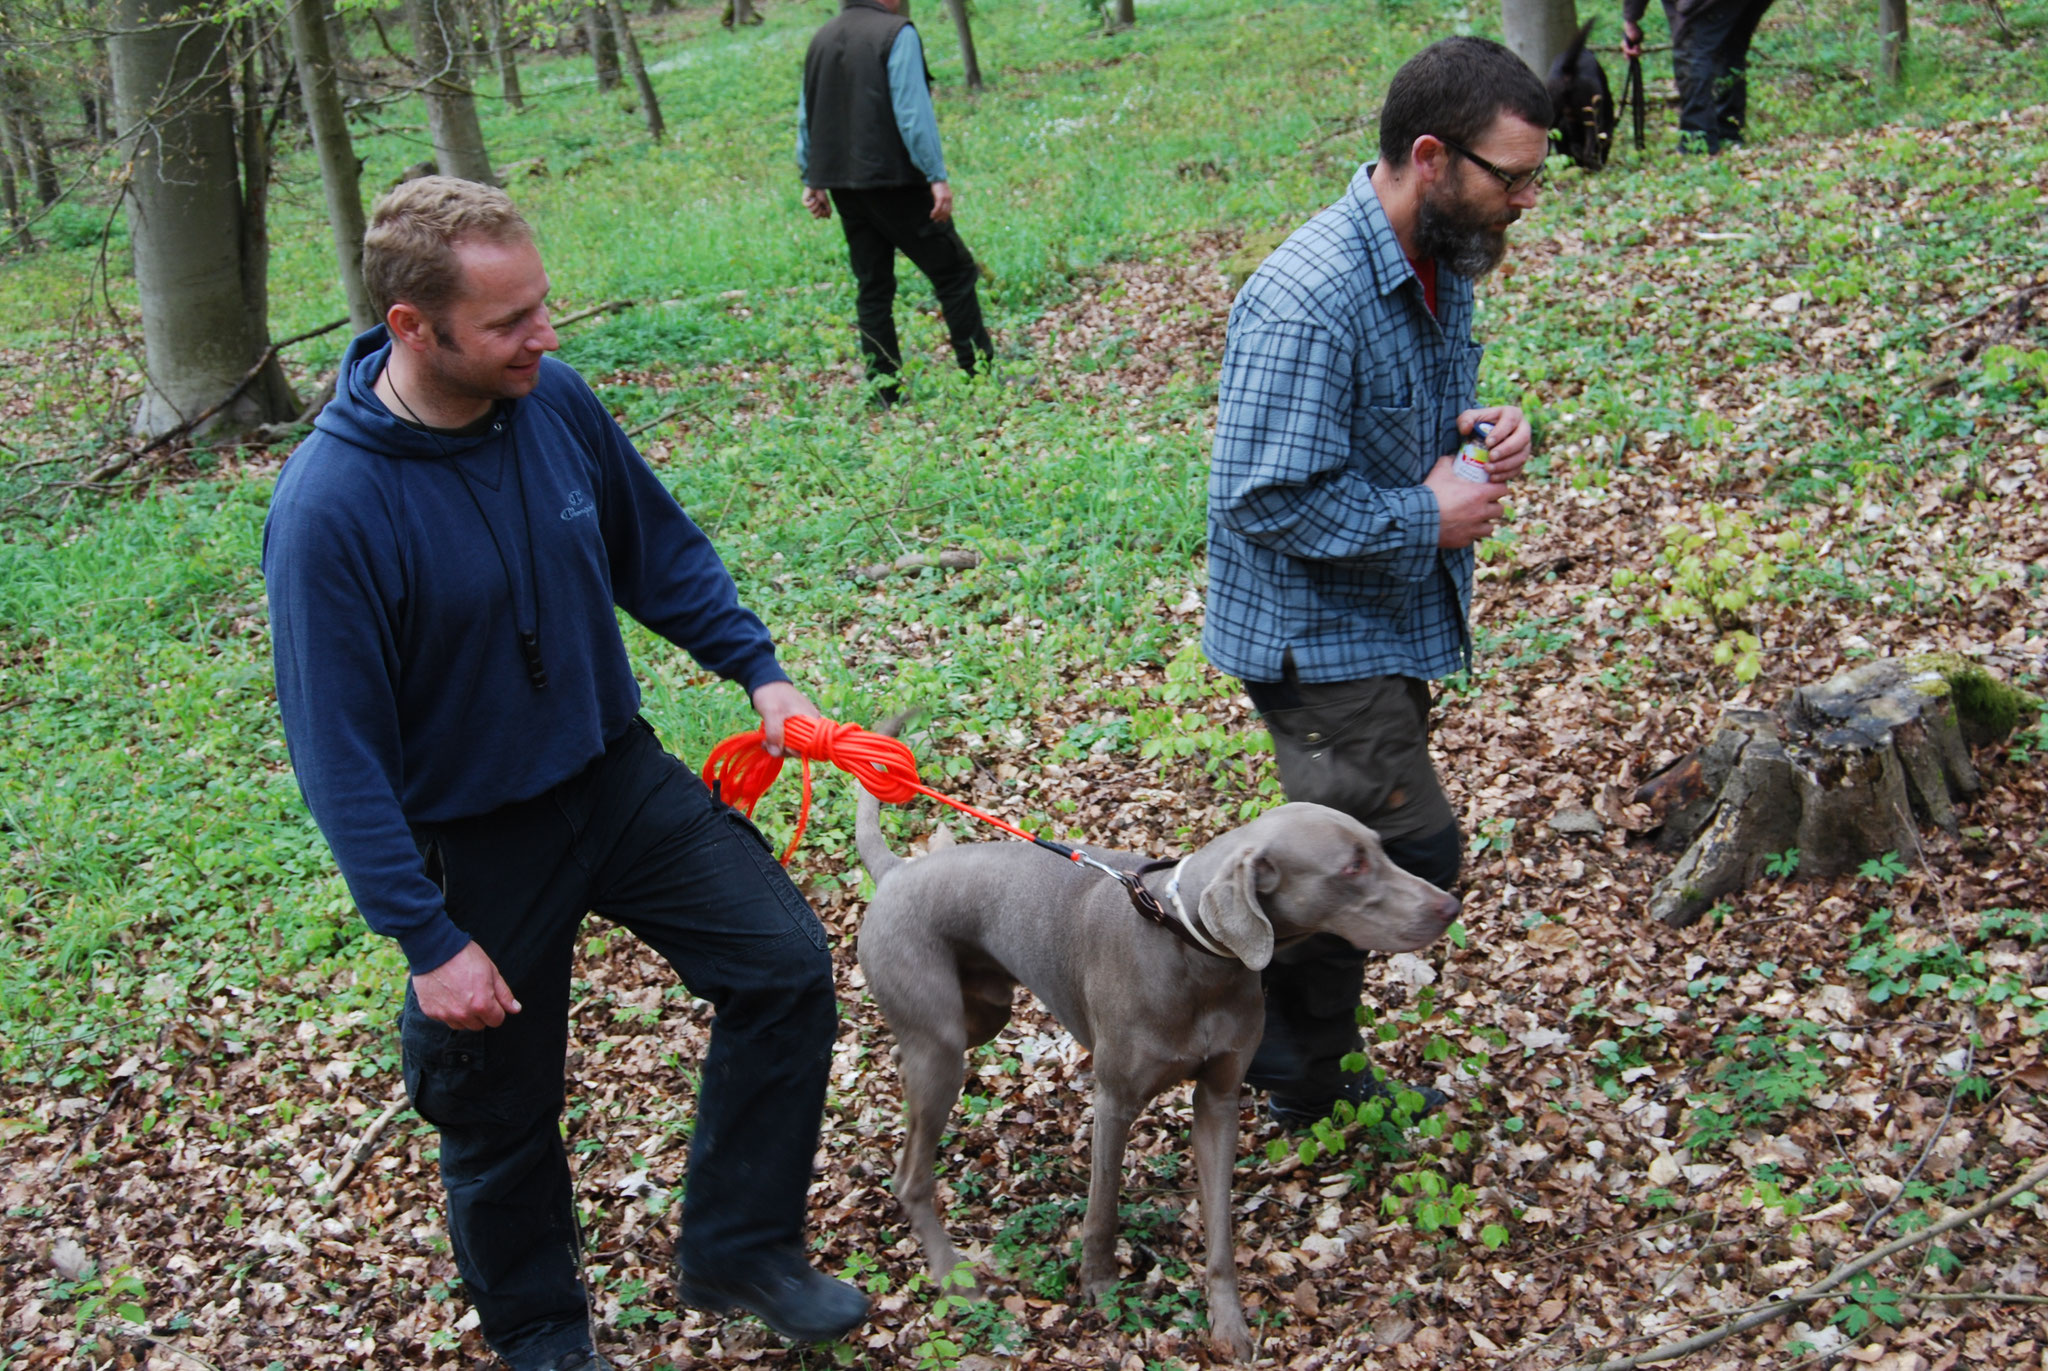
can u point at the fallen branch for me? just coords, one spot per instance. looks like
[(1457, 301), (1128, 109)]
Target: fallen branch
[(149, 1339), (608, 307), (121, 461), (2024, 293), (1947, 1112), (1758, 1315), (365, 1148)]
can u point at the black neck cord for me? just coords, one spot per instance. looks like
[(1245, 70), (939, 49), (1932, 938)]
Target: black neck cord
[(529, 639)]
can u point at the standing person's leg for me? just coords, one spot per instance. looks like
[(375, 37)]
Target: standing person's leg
[(872, 254), (1731, 63), (692, 879), (1692, 68), (937, 250), (1361, 747), (496, 1094)]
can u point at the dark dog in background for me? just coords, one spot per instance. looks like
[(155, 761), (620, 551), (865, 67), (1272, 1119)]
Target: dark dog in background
[(1582, 104)]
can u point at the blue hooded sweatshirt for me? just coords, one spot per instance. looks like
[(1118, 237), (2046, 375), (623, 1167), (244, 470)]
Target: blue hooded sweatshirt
[(404, 566)]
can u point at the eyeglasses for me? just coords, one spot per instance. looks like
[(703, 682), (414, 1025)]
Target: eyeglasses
[(1513, 182)]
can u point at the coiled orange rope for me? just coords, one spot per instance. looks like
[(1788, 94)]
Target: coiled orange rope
[(740, 770)]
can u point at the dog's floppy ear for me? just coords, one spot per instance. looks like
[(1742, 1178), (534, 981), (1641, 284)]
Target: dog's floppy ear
[(1230, 909)]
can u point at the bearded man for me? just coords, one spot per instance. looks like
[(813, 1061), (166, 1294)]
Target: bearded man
[(1340, 539)]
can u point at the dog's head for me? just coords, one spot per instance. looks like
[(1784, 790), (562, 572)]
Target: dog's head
[(1306, 868), (1582, 105)]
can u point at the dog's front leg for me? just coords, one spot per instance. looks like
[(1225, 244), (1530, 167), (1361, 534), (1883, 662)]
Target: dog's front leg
[(1115, 1111), (1215, 1149)]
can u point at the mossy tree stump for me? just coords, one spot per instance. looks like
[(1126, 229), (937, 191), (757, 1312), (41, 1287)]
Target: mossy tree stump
[(1839, 772)]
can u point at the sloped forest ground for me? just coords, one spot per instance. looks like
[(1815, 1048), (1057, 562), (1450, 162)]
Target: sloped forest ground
[(1793, 407)]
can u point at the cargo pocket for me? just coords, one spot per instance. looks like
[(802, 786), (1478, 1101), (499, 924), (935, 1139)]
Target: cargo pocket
[(447, 1072), (774, 878), (1327, 754)]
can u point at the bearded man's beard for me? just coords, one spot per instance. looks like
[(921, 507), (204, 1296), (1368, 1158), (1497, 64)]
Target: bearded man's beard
[(1460, 236)]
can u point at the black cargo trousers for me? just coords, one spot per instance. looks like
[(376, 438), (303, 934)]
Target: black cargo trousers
[(1361, 747), (878, 224), (636, 838)]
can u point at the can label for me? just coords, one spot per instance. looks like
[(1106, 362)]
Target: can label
[(1471, 463)]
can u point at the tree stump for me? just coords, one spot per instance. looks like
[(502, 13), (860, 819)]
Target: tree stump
[(1838, 773)]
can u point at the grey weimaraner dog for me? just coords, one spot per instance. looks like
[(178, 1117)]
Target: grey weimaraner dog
[(950, 936)]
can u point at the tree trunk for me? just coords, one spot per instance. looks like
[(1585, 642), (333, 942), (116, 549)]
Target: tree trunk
[(10, 189), (451, 108), (966, 32), (336, 25), (340, 170), (738, 12), (1538, 30), (1123, 14), (18, 96), (200, 262), (662, 7), (505, 47), (630, 47), (1891, 28), (1837, 774), (604, 45)]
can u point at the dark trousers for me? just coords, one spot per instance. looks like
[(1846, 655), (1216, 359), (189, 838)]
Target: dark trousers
[(1710, 58), (1361, 747), (880, 223), (636, 838)]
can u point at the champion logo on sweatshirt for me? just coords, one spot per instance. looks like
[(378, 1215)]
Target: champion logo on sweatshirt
[(578, 506)]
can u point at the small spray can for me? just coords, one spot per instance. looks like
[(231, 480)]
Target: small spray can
[(1471, 464)]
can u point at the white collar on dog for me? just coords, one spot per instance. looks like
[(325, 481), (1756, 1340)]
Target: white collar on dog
[(1195, 930)]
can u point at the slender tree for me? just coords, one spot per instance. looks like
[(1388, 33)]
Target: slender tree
[(1121, 14), (340, 171), (197, 172), (604, 45), (1892, 31), (966, 33), (1538, 30), (738, 12), (629, 47), (505, 48), (10, 190), (444, 82), (18, 99)]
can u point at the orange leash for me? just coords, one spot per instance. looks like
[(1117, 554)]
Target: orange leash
[(739, 772)]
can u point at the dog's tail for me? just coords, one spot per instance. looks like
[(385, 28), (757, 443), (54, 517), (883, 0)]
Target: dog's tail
[(1578, 47), (867, 820)]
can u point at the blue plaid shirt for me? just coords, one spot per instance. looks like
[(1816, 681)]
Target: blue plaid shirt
[(1339, 393)]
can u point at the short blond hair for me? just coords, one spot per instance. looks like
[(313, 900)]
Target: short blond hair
[(409, 250)]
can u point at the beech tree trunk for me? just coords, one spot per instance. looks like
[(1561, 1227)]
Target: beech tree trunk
[(344, 55), (604, 45), (1123, 14), (1892, 29), (1538, 30), (505, 49), (451, 107), (10, 190), (966, 32), (1837, 774), (340, 169), (197, 181), (738, 12), (629, 46), (18, 97)]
